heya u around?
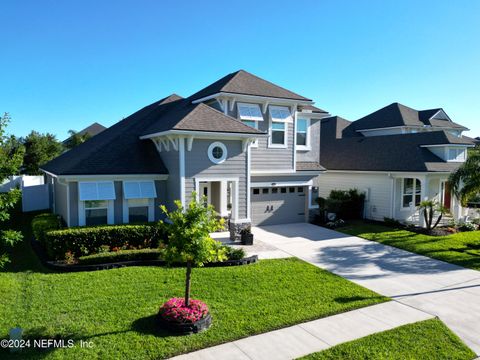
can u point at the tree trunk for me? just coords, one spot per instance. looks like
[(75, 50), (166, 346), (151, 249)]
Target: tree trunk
[(425, 215), (438, 221), (187, 283)]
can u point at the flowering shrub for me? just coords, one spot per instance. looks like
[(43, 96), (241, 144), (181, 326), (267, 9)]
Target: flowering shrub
[(174, 310)]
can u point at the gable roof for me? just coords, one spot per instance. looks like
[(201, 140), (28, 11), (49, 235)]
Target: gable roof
[(242, 82), (396, 114), (403, 152)]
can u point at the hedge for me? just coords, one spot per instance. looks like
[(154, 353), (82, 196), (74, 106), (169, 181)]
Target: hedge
[(121, 255), (82, 241), (43, 223)]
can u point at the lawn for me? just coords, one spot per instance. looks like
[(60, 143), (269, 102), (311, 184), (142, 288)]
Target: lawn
[(462, 248), (429, 339), (115, 309)]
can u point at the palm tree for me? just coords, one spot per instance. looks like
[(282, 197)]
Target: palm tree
[(430, 208), (76, 139), (465, 181)]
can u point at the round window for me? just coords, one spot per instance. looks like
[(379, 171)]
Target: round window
[(217, 152)]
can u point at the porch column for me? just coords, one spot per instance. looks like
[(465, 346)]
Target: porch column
[(423, 196), (223, 198)]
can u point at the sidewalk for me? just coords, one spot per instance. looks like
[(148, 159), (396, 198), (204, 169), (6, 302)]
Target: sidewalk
[(313, 336)]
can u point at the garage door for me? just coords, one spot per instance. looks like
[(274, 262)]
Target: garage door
[(279, 205)]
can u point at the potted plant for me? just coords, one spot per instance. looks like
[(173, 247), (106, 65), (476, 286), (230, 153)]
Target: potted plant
[(189, 242), (246, 236)]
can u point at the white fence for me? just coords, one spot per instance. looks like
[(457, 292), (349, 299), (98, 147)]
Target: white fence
[(35, 194)]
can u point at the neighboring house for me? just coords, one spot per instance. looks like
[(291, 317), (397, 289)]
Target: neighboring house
[(92, 130), (249, 146), (398, 156)]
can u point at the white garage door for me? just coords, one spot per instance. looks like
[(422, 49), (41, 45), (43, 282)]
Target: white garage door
[(278, 205)]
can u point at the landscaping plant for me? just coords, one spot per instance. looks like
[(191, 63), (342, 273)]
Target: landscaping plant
[(465, 181), (188, 237), (11, 155), (429, 209)]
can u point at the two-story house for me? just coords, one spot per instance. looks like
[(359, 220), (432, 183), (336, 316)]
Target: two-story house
[(398, 156), (249, 146)]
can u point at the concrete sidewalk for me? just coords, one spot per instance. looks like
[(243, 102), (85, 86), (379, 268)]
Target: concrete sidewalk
[(313, 336), (445, 290)]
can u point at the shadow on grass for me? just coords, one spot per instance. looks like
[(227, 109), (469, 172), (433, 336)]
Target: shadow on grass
[(350, 299)]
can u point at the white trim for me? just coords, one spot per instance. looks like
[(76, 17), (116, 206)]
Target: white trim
[(308, 146), (285, 137), (181, 164), (118, 177), (253, 98), (126, 210), (204, 134), (208, 185), (449, 145), (312, 115), (212, 158), (399, 173), (236, 184), (288, 172), (110, 212), (294, 141), (68, 204), (249, 172), (240, 221), (281, 184), (414, 193)]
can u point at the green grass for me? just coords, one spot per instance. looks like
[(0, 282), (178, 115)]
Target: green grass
[(424, 340), (462, 248), (115, 309)]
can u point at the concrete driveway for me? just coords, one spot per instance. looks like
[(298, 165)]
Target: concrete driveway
[(448, 291)]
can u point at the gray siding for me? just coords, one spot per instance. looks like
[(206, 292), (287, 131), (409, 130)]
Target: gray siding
[(197, 164), (61, 207), (73, 189), (314, 153), (265, 158), (171, 161), (161, 187), (118, 203), (277, 179)]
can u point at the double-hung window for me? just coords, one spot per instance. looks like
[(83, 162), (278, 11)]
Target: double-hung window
[(279, 118), (411, 192), (138, 201), (250, 114), (96, 202), (303, 134)]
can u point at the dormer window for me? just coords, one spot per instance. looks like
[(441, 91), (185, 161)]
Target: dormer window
[(279, 117), (456, 154)]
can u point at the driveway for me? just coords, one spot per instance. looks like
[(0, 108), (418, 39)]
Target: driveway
[(448, 291)]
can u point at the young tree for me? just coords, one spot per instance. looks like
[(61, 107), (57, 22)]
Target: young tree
[(39, 149), (465, 182), (429, 208), (11, 155), (76, 139), (189, 238)]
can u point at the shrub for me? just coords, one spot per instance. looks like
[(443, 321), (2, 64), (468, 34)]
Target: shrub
[(43, 223), (467, 226), (121, 255), (175, 310), (234, 254), (347, 204), (83, 241)]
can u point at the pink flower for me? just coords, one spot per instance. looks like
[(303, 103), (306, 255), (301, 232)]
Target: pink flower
[(175, 310)]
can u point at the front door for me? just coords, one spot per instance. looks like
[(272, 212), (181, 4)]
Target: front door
[(447, 195)]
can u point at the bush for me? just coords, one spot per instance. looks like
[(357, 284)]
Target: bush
[(121, 255), (175, 310), (234, 254), (347, 204), (84, 241), (43, 223), (467, 226)]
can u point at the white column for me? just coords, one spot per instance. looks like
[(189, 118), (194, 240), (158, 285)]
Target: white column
[(181, 160), (223, 198)]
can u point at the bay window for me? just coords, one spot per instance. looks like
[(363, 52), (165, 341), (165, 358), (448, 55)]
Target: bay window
[(411, 192)]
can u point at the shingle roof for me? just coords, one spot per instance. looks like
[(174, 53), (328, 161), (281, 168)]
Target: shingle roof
[(309, 166), (242, 82), (118, 149), (400, 115), (387, 153), (312, 108), (92, 130)]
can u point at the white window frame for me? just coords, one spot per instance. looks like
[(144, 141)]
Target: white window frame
[(255, 143), (458, 151), (210, 152), (285, 123), (126, 209), (82, 218), (414, 193), (307, 145)]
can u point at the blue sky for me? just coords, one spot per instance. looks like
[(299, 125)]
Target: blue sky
[(66, 64)]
